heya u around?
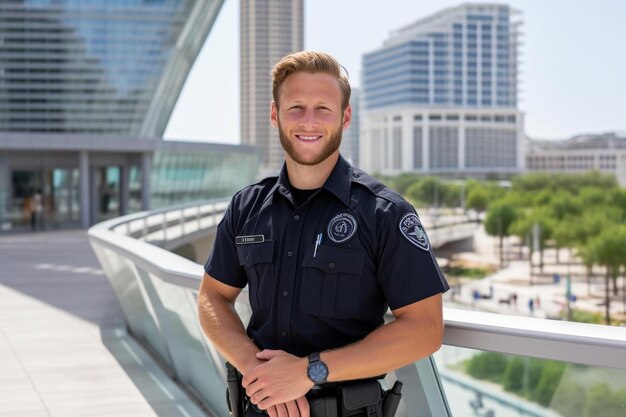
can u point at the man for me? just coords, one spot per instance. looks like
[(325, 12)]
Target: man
[(324, 249)]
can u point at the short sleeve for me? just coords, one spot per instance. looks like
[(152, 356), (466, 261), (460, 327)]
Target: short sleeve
[(223, 262), (407, 270)]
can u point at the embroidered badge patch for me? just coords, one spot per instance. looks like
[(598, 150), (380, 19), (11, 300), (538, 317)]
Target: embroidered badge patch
[(342, 227), (412, 229)]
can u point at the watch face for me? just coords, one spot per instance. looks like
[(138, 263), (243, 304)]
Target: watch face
[(318, 373)]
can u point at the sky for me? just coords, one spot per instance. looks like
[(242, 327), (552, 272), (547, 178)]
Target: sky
[(573, 61)]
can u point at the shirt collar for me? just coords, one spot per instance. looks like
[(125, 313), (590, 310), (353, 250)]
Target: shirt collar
[(338, 182)]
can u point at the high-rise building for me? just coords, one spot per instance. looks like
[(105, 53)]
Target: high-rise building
[(269, 30), (350, 138), (605, 153), (440, 96), (86, 91)]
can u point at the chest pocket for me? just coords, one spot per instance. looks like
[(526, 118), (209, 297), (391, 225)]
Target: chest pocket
[(331, 282), (257, 260)]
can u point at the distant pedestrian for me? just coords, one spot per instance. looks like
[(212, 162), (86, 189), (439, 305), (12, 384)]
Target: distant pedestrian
[(531, 306), (538, 302), (475, 297), (36, 210)]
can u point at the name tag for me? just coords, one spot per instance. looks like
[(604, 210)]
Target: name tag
[(246, 240)]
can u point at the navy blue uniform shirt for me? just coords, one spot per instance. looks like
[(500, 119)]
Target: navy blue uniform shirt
[(322, 274)]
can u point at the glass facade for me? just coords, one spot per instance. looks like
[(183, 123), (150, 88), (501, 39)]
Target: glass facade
[(464, 57), (97, 66), (180, 177)]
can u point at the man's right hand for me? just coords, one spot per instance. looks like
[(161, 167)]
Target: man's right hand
[(295, 408)]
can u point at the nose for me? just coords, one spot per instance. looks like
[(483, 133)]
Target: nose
[(308, 120)]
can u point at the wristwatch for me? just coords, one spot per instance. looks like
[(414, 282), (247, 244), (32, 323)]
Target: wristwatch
[(317, 371)]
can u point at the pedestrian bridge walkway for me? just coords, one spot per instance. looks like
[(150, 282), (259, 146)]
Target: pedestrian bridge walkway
[(65, 350)]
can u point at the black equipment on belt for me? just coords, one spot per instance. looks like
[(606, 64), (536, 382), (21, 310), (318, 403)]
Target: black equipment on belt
[(361, 398), (234, 393)]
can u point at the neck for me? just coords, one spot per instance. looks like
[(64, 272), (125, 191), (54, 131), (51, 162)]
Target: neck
[(310, 177)]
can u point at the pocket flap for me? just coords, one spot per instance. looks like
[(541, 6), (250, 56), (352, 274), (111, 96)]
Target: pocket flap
[(360, 394), (332, 259), (256, 253)]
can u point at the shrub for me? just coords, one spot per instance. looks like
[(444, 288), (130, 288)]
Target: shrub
[(487, 365)]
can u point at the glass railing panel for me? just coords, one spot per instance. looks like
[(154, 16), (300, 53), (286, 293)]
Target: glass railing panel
[(191, 357), (124, 279), (480, 383)]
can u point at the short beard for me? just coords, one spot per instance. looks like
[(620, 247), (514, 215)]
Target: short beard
[(329, 148)]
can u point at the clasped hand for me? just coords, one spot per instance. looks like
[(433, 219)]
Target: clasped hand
[(279, 384)]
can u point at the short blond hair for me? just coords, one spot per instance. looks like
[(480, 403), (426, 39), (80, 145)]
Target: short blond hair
[(310, 61)]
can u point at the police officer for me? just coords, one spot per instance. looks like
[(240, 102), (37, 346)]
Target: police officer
[(325, 249)]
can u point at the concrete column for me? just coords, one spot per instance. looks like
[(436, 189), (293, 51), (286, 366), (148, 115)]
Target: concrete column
[(124, 189), (95, 176), (425, 142), (5, 187), (146, 168), (461, 143), (83, 189)]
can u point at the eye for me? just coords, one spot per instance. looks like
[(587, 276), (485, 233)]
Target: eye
[(323, 108), (295, 107)]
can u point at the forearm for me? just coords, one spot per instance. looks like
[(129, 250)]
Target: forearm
[(222, 325), (389, 347)]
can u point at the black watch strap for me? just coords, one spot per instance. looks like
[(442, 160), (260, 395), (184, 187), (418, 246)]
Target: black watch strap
[(314, 357)]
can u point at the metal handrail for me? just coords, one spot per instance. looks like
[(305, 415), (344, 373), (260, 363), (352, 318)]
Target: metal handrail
[(586, 344)]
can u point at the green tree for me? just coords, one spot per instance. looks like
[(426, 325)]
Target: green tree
[(602, 401), (477, 199), (551, 375), (500, 216), (525, 225), (609, 250), (487, 365), (402, 182), (426, 191), (514, 376)]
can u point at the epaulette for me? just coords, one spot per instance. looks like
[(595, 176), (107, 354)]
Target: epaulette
[(376, 187)]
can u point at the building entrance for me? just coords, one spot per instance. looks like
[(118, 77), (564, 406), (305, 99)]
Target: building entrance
[(43, 199), (107, 190)]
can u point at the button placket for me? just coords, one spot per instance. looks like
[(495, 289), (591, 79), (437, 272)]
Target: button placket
[(288, 272)]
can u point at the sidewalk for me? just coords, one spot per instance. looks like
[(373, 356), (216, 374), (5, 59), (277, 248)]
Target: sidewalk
[(549, 298), (63, 348)]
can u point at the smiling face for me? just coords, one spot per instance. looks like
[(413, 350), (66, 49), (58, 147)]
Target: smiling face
[(309, 117)]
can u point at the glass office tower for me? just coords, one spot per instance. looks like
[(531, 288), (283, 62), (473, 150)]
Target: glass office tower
[(97, 66), (87, 88), (440, 96)]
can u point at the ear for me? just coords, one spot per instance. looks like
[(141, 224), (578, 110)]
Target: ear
[(347, 117), (274, 114)]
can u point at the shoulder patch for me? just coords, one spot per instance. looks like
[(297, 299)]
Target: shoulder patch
[(342, 227), (412, 229)]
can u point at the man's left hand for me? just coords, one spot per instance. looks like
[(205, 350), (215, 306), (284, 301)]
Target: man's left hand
[(281, 378)]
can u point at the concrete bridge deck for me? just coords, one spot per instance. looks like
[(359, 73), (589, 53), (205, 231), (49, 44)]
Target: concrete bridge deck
[(63, 347)]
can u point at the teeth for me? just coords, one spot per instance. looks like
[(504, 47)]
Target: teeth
[(308, 137)]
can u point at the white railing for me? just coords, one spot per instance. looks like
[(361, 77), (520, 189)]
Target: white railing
[(157, 291)]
